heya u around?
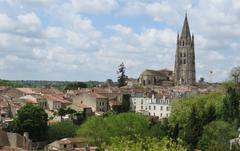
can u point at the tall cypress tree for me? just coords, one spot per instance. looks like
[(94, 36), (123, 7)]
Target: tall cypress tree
[(193, 129), (231, 106), (122, 78)]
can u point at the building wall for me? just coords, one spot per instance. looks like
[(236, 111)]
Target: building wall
[(54, 105), (160, 108), (102, 105), (86, 99)]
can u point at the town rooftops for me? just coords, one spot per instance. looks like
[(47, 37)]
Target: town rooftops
[(29, 99)]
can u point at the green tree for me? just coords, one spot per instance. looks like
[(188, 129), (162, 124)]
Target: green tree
[(122, 78), (231, 106), (193, 129), (126, 103), (31, 119), (61, 130), (142, 144), (61, 112), (216, 136), (99, 129), (75, 86)]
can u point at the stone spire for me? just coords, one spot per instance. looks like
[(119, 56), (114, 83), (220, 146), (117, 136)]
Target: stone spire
[(185, 30), (184, 70)]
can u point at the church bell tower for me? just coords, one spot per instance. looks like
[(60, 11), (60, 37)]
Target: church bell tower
[(184, 71)]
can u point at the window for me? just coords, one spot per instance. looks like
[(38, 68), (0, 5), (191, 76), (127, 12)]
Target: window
[(161, 108), (180, 54), (167, 108), (180, 61), (161, 115), (149, 107), (65, 145), (142, 101), (184, 61), (184, 55), (183, 43), (141, 107), (153, 114), (154, 107)]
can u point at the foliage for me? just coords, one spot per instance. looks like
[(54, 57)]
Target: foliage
[(61, 130), (99, 129), (141, 144), (181, 109), (75, 86), (126, 102), (231, 106), (193, 129), (192, 114), (122, 78), (31, 119), (79, 118), (235, 74), (216, 136)]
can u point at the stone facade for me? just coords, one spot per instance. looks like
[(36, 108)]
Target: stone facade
[(185, 57), (156, 77)]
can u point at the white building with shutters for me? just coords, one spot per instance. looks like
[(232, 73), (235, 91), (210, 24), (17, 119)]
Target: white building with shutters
[(158, 107)]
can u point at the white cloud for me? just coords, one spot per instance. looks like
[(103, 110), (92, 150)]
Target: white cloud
[(121, 29), (31, 20), (6, 23), (94, 6)]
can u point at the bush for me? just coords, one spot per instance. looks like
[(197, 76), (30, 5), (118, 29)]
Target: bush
[(61, 130)]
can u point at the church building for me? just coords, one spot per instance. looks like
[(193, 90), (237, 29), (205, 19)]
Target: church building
[(184, 71)]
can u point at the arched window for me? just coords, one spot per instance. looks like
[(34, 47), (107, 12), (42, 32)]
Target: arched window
[(184, 61)]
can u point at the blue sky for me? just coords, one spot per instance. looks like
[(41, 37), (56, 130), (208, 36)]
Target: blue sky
[(87, 40)]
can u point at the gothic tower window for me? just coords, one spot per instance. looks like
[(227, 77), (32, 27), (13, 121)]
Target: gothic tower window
[(180, 54), (184, 54), (184, 61)]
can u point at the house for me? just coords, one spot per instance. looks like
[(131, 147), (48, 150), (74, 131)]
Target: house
[(4, 109), (14, 140), (97, 102), (70, 144), (152, 106), (55, 102)]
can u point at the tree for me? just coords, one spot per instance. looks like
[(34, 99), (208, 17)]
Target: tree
[(193, 129), (216, 136), (99, 129), (142, 144), (75, 86), (61, 130), (122, 78), (235, 74), (231, 106), (61, 112), (126, 102), (31, 119)]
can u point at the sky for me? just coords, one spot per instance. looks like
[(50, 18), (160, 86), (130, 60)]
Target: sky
[(87, 39)]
